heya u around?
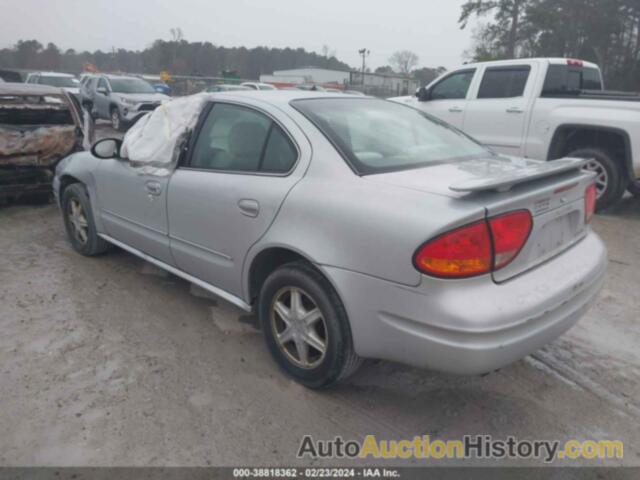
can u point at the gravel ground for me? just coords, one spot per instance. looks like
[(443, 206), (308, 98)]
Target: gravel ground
[(110, 362)]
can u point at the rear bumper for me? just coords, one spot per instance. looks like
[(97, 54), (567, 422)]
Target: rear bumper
[(472, 326)]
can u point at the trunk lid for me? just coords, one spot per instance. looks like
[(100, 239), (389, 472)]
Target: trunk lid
[(553, 192)]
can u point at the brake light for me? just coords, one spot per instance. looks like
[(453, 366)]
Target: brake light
[(509, 233), (589, 202), (475, 249), (464, 252), (574, 63)]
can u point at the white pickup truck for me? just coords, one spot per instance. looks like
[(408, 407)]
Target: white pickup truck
[(544, 109)]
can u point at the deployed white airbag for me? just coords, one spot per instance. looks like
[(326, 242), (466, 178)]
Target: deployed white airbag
[(153, 144)]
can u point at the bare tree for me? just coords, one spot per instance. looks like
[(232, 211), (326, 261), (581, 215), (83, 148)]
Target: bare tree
[(177, 35), (404, 61), (327, 52)]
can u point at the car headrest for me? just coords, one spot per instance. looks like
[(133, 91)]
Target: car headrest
[(246, 138)]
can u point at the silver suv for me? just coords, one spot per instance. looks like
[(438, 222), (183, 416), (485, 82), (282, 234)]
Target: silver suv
[(123, 100)]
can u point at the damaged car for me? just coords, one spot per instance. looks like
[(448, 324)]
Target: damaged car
[(354, 227), (39, 125)]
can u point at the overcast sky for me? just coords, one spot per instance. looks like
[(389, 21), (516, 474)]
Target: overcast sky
[(427, 27)]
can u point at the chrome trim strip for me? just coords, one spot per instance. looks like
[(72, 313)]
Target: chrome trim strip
[(120, 217), (200, 247), (204, 285)]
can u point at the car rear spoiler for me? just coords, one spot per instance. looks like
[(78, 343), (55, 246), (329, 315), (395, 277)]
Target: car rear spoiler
[(504, 181)]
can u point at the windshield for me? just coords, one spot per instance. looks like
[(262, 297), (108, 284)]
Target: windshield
[(377, 136), (61, 82), (131, 85)]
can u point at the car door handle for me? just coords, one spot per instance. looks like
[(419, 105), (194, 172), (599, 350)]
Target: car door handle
[(249, 207), (153, 188), (456, 110), (515, 110)]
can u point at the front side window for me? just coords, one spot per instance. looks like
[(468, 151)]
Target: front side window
[(239, 139), (377, 136), (504, 82), (453, 87)]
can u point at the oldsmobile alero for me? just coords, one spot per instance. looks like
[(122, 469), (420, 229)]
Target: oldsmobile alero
[(354, 227)]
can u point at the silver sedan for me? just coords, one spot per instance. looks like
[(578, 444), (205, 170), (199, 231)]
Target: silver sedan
[(354, 228)]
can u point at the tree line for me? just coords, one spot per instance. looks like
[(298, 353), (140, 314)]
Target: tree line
[(606, 32), (177, 56)]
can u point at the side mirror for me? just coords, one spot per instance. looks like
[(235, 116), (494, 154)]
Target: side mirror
[(423, 94), (102, 90), (106, 148)]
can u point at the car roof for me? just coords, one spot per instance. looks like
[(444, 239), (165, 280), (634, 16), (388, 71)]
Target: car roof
[(28, 89), (54, 74), (118, 77), (516, 61), (280, 98)]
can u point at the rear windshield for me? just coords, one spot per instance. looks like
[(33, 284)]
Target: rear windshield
[(568, 78), (377, 136), (62, 82), (131, 85)]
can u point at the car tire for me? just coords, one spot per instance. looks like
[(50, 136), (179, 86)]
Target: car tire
[(634, 188), (79, 222), (327, 324), (116, 120), (610, 183)]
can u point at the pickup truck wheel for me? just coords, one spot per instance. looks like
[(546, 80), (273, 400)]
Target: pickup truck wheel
[(79, 222), (609, 178), (306, 326)]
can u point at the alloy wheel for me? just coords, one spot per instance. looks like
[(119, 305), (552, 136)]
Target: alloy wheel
[(602, 177), (299, 327), (78, 220)]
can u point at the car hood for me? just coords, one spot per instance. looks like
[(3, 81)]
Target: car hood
[(143, 97), (457, 178)]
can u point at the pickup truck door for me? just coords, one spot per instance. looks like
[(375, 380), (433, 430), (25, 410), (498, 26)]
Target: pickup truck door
[(133, 207), (241, 166), (447, 99), (498, 111)]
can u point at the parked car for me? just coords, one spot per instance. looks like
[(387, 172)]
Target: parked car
[(162, 87), (54, 79), (39, 125), (258, 86), (10, 76), (354, 227), (121, 99), (544, 109), (226, 88)]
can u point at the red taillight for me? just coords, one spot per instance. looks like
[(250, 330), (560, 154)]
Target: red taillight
[(574, 63), (509, 233), (475, 249), (589, 202), (463, 252)]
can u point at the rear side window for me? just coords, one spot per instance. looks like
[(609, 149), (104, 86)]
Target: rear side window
[(568, 78), (239, 139), (279, 154), (454, 87), (504, 82)]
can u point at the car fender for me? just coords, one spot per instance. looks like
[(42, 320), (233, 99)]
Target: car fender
[(80, 166)]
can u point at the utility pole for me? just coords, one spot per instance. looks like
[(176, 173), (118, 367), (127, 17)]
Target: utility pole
[(365, 53)]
